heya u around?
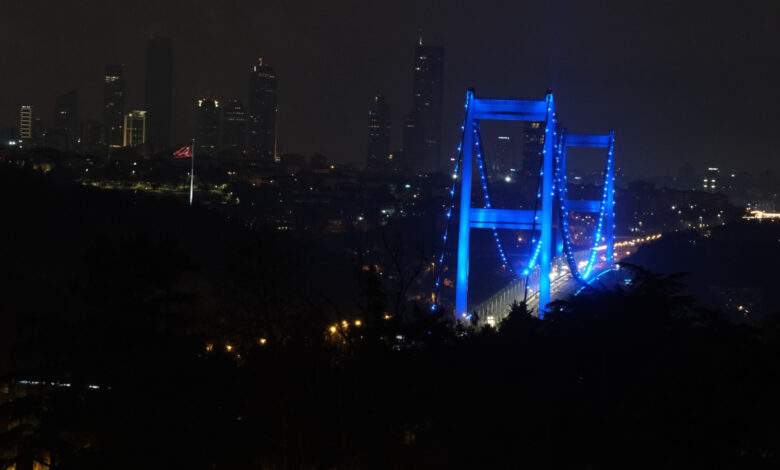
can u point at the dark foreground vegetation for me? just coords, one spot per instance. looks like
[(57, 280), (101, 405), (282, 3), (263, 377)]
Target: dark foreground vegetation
[(125, 346)]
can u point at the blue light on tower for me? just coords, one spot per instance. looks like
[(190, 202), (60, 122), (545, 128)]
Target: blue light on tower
[(552, 182), (449, 206), (529, 110)]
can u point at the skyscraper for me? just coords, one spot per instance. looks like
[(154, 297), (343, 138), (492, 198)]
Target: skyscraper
[(26, 122), (207, 126), (66, 119), (428, 97), (262, 110), (7, 135), (378, 133), (502, 162), (114, 105), (159, 90), (410, 136), (533, 141), (92, 135), (233, 126), (37, 129), (711, 181), (687, 178), (135, 126)]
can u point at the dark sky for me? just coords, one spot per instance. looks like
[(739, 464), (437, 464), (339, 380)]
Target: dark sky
[(679, 81)]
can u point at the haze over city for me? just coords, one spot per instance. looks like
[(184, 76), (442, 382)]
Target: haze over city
[(679, 81)]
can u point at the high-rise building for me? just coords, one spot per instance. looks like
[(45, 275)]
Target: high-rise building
[(378, 133), (207, 126), (58, 138), (92, 134), (159, 90), (711, 182), (26, 122), (533, 141), (428, 98), (135, 126), (114, 105), (233, 125), (66, 119), (687, 178), (503, 161), (37, 130), (410, 144), (7, 135), (262, 110)]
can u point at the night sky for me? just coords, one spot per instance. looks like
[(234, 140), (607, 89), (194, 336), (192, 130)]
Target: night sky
[(679, 81)]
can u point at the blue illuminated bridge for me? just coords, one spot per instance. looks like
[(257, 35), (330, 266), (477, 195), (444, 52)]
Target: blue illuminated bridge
[(550, 270)]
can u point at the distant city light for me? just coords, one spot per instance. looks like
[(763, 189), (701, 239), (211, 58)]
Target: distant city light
[(756, 214)]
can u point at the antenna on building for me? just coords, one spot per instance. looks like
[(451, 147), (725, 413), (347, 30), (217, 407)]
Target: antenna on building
[(419, 43)]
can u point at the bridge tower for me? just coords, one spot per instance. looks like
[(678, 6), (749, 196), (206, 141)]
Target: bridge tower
[(604, 207), (478, 109)]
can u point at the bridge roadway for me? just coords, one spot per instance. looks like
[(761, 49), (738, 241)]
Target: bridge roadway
[(562, 284)]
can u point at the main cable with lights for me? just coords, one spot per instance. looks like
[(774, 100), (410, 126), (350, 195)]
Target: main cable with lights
[(560, 178), (450, 206)]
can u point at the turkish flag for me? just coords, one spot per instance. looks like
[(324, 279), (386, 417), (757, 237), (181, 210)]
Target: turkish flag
[(184, 152)]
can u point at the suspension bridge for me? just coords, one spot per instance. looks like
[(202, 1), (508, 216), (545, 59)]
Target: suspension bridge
[(550, 270)]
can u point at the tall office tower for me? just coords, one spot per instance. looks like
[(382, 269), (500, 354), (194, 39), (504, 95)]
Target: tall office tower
[(233, 125), (92, 134), (37, 130), (207, 126), (26, 122), (687, 178), (66, 119), (159, 90), (533, 141), (711, 181), (428, 97), (135, 129), (262, 110), (7, 135), (410, 136), (114, 105), (503, 161), (378, 133)]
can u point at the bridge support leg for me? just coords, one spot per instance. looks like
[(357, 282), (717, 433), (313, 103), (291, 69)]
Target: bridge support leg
[(462, 279), (547, 208)]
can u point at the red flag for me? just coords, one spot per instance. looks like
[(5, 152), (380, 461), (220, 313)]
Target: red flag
[(184, 152)]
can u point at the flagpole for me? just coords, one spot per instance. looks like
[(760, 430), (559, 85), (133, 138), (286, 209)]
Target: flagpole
[(192, 171)]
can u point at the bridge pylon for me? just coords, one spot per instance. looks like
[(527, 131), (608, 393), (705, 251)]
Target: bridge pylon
[(604, 207), (552, 198), (478, 109)]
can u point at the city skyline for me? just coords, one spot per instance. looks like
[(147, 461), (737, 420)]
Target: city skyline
[(653, 70)]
